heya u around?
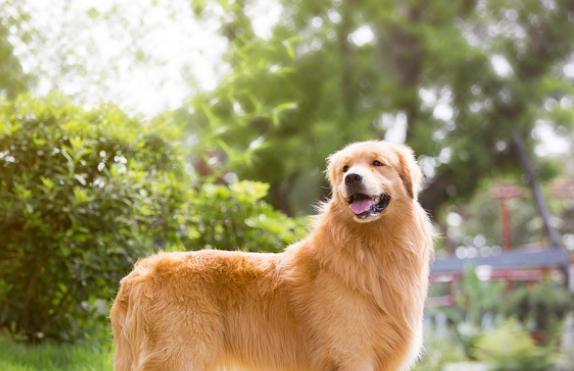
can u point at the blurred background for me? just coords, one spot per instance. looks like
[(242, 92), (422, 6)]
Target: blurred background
[(132, 126)]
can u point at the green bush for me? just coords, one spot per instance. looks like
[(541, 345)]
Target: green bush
[(509, 347), (438, 353), (476, 297), (82, 194), (236, 217), (474, 300)]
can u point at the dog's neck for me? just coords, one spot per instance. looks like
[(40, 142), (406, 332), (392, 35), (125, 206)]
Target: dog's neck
[(392, 253), (336, 224)]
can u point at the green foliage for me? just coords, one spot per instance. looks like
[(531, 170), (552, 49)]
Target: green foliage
[(476, 297), (542, 307), (236, 218), (82, 195), (13, 80), (85, 193), (509, 347), (526, 316), (312, 86), (332, 72), (438, 353)]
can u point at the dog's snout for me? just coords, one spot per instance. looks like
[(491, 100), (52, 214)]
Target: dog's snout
[(351, 179)]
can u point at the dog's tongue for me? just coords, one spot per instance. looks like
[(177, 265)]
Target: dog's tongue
[(360, 206)]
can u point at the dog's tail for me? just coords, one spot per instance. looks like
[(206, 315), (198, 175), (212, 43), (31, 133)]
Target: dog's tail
[(128, 324)]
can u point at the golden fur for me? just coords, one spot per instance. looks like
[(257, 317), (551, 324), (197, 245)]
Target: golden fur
[(349, 296)]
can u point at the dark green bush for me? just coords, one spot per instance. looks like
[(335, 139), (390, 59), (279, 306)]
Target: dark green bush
[(85, 193), (82, 194)]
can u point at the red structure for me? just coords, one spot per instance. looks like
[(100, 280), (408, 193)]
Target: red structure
[(503, 193), (521, 264), (563, 188)]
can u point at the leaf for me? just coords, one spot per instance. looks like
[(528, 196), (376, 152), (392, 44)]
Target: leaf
[(248, 191), (289, 48), (81, 196), (77, 143), (278, 110), (198, 7), (48, 183), (22, 192), (93, 13)]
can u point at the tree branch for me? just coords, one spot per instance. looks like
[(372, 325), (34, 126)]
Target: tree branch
[(530, 175)]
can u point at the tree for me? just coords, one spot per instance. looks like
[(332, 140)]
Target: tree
[(464, 79), (13, 80)]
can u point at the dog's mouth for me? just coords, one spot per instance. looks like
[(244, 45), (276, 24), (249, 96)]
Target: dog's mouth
[(365, 206)]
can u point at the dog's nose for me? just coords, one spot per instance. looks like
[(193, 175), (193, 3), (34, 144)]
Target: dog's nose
[(352, 178)]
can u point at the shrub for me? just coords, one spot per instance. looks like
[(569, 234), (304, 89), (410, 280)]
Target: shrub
[(438, 353), (509, 347), (82, 194), (236, 217), (475, 299)]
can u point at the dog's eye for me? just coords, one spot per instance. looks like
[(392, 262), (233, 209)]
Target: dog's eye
[(345, 168), (378, 163)]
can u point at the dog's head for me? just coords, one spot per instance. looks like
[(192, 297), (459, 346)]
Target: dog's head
[(371, 178)]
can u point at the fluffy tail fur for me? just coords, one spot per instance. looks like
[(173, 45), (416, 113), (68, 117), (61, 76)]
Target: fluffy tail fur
[(127, 326)]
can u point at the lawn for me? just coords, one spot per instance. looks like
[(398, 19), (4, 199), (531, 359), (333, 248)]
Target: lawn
[(51, 357)]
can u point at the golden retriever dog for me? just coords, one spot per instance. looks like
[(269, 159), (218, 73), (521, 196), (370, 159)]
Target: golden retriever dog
[(348, 297)]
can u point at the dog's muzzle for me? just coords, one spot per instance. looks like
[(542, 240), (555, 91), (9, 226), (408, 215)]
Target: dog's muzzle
[(365, 206)]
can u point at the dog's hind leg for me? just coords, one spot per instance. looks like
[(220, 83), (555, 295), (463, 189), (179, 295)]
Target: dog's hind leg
[(190, 341)]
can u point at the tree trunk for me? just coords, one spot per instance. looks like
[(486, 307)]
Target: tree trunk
[(532, 179), (279, 199), (402, 48)]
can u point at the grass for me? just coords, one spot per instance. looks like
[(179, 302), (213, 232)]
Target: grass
[(53, 357)]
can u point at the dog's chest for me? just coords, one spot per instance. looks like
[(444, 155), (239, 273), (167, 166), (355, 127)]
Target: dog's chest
[(347, 320), (343, 318)]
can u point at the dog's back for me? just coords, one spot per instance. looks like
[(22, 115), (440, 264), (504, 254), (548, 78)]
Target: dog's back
[(204, 309)]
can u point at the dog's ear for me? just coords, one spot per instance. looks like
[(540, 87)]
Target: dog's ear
[(331, 172), (409, 170)]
